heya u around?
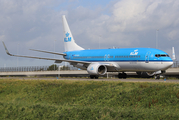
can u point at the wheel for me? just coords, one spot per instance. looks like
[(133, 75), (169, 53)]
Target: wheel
[(91, 76), (157, 77), (122, 75)]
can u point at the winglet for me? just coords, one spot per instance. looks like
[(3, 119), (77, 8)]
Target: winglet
[(6, 49), (173, 54)]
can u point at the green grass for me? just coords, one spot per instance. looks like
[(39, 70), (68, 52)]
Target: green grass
[(47, 99)]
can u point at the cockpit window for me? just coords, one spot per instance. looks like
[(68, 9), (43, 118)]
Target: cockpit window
[(161, 55)]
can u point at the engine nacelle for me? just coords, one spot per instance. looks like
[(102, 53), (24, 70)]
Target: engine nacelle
[(96, 69)]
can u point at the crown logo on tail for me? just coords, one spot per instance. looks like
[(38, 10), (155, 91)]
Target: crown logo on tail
[(67, 38)]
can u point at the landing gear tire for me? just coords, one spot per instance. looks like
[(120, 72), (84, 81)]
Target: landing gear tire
[(122, 75), (93, 77), (157, 77)]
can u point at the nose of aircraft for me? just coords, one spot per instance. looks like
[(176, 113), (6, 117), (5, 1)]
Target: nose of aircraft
[(169, 64)]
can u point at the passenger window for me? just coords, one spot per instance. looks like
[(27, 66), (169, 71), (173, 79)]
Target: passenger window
[(161, 55), (157, 55)]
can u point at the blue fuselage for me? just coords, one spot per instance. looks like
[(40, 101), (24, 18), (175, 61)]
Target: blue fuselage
[(129, 59), (119, 55)]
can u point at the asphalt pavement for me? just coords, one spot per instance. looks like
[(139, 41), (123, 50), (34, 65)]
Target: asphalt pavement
[(88, 79)]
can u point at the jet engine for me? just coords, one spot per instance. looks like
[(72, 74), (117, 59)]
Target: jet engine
[(96, 69)]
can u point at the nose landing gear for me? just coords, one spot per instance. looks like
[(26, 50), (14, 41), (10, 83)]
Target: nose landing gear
[(157, 77)]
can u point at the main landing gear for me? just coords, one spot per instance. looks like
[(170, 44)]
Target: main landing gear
[(94, 76), (122, 75)]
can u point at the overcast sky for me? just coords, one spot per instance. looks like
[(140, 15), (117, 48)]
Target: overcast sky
[(37, 24)]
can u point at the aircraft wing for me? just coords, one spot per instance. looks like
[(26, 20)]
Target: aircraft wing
[(56, 60), (108, 65), (49, 52)]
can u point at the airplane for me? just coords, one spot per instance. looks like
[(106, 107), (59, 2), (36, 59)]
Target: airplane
[(98, 62)]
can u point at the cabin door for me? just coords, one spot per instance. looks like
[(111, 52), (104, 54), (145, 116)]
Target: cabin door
[(106, 57), (70, 56), (147, 57)]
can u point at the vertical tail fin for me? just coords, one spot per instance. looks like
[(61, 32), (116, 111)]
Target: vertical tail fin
[(69, 42), (173, 54)]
